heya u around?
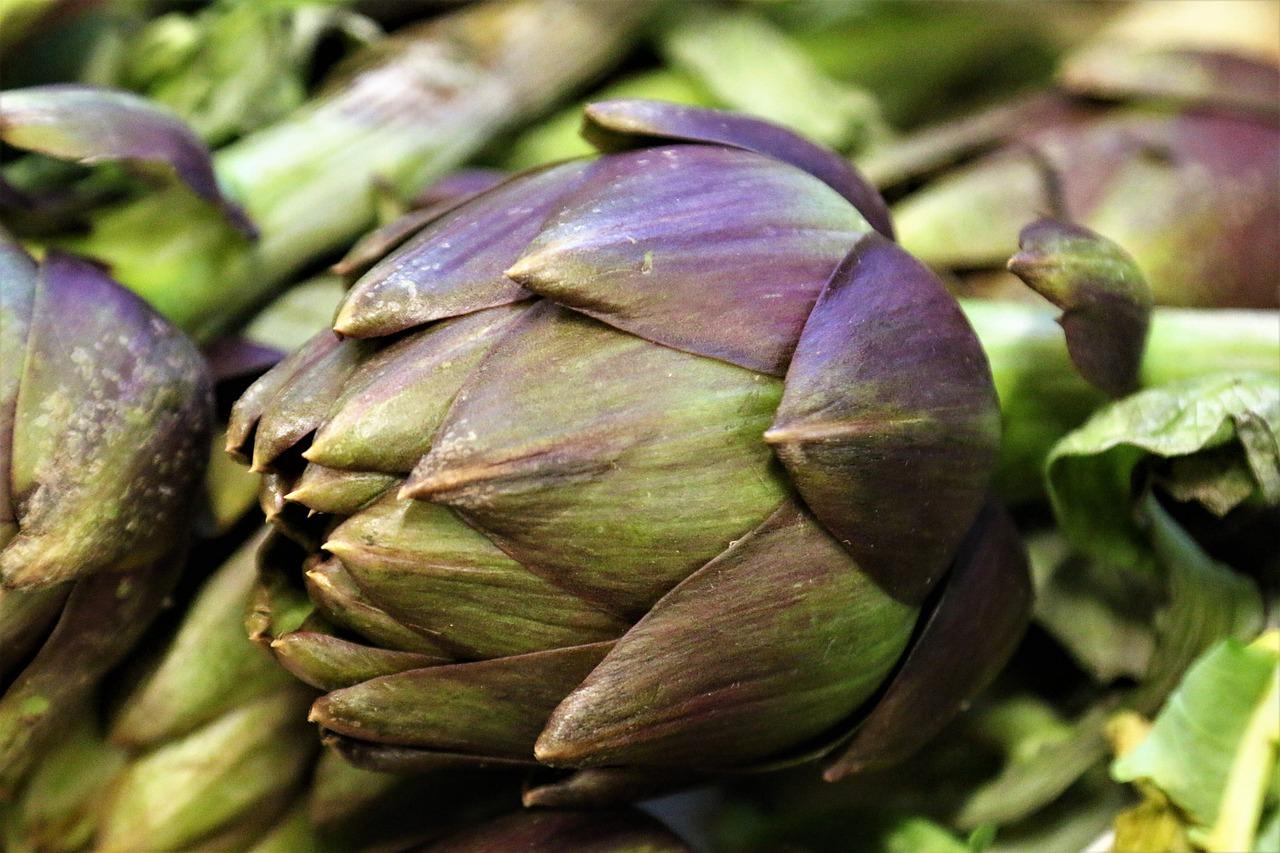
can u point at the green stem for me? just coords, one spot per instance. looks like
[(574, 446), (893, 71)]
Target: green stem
[(411, 108), (1043, 397)]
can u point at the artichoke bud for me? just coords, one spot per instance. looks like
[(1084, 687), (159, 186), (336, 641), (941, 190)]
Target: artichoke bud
[(648, 464), (107, 411), (1186, 185), (1105, 301), (105, 415)]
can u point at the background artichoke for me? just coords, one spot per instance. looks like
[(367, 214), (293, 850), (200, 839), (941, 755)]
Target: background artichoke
[(1165, 143), (657, 461), (104, 425)]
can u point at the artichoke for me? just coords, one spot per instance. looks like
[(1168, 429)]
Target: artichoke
[(104, 426), (1170, 152), (667, 462)]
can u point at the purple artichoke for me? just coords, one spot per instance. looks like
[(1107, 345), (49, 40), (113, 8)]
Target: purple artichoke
[(668, 462), (104, 428), (1172, 154)]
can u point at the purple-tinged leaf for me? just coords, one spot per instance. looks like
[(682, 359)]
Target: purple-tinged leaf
[(623, 124), (455, 264), (714, 251), (110, 430), (773, 643), (980, 616), (327, 662), (889, 423), (89, 125), (457, 187), (1105, 301)]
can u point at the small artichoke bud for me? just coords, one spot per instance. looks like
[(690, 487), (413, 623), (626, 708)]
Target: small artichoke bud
[(1105, 301), (642, 466)]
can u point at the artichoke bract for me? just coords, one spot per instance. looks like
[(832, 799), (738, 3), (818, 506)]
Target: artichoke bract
[(664, 461), (104, 427)]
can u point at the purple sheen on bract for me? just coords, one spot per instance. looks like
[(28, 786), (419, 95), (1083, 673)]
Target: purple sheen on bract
[(889, 423), (422, 565), (455, 264), (1201, 78), (981, 614), (18, 276), (1105, 301), (110, 430), (493, 707), (387, 414), (239, 358), (623, 124), (776, 641), (302, 402), (381, 241), (247, 411), (459, 186), (328, 663), (609, 465), (714, 251), (88, 124), (557, 831)]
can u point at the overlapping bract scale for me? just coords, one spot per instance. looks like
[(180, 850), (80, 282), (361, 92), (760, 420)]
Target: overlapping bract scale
[(570, 447), (711, 250), (889, 424)]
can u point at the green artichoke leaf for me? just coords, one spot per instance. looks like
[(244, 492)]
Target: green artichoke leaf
[(338, 492), (969, 635), (1091, 473), (244, 766), (340, 600), (1212, 749), (207, 668)]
